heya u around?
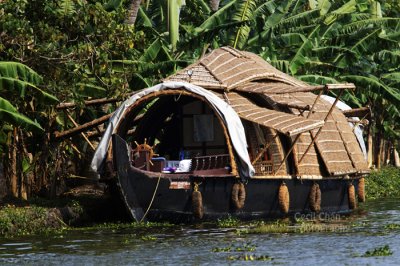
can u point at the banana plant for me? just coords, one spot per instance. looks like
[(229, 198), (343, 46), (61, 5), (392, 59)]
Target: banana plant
[(21, 97), (18, 81)]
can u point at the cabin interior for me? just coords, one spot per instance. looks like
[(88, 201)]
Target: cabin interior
[(186, 135)]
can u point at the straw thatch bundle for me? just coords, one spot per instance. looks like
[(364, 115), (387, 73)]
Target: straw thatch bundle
[(238, 195), (315, 198), (197, 204), (352, 197), (284, 198), (361, 189)]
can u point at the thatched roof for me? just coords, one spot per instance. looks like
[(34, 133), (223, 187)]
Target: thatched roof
[(337, 143), (287, 124), (266, 96), (227, 68)]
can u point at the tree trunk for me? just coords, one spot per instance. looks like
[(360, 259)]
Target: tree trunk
[(13, 181), (370, 147), (133, 11), (214, 5), (42, 168), (22, 192), (396, 158), (388, 148), (379, 151)]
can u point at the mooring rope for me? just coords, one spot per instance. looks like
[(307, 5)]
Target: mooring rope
[(152, 199)]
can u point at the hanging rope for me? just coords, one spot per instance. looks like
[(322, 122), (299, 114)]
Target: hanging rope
[(152, 199)]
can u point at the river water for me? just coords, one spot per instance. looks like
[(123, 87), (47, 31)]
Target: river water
[(332, 241)]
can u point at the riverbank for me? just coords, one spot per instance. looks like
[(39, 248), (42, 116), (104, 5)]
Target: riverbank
[(93, 205), (383, 183), (85, 205)]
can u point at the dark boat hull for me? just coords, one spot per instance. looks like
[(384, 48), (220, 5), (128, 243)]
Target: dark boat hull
[(141, 189)]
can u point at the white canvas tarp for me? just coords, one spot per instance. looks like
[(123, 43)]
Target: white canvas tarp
[(227, 114)]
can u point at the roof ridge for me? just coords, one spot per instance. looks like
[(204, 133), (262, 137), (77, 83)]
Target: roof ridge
[(234, 51)]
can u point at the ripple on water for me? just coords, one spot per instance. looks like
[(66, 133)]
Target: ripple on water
[(194, 244)]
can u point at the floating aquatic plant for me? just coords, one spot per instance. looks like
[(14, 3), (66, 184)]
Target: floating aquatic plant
[(229, 221), (251, 257), (379, 251), (243, 255), (148, 238), (392, 226), (247, 247)]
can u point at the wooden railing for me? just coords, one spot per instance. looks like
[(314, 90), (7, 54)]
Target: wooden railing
[(264, 168), (212, 164)]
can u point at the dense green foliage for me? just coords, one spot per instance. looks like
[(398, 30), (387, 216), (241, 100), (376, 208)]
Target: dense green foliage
[(383, 183), (74, 50), (71, 46), (71, 43), (16, 221)]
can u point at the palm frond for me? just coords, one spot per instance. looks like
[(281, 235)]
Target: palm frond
[(282, 65), (317, 79), (388, 56), (348, 8), (374, 85), (66, 8), (266, 8), (216, 18), (244, 12), (366, 23), (299, 58), (303, 18)]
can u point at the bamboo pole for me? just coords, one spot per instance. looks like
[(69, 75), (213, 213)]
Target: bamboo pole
[(101, 101), (95, 134), (81, 128), (258, 156), (295, 106), (357, 112), (288, 153), (326, 87), (83, 134)]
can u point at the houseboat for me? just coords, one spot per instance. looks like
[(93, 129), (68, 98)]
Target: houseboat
[(232, 135)]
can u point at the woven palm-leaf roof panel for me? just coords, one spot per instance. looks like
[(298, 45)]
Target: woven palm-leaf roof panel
[(283, 122), (271, 87), (310, 165), (337, 144), (227, 68), (198, 75)]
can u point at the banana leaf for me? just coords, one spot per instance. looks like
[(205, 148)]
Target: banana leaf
[(10, 114), (16, 79)]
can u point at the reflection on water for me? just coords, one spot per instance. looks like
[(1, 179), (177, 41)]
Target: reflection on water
[(376, 224)]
